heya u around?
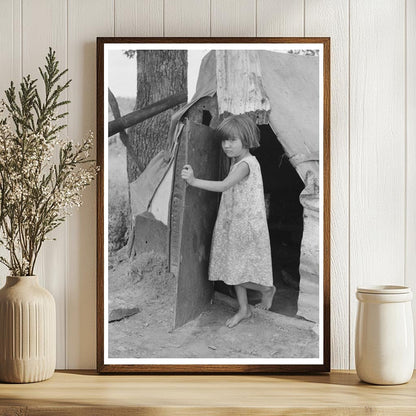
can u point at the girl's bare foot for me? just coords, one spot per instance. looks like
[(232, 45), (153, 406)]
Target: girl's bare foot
[(267, 299), (238, 317)]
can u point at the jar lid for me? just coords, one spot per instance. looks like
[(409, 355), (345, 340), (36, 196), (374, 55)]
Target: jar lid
[(384, 289)]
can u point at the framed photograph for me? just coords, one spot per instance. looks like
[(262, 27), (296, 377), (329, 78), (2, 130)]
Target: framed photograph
[(213, 205)]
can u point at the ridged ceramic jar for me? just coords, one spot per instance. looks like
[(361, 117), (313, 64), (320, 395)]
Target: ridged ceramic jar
[(384, 340), (27, 331)]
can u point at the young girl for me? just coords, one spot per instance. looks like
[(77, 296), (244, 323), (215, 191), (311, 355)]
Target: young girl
[(240, 250)]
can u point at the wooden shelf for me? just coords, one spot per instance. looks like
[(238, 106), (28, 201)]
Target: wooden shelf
[(86, 393)]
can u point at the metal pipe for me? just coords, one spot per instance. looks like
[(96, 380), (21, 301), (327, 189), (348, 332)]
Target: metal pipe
[(138, 116)]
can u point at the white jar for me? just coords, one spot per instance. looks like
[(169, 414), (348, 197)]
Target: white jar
[(384, 337)]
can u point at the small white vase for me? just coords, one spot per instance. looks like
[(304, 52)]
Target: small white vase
[(27, 331), (384, 338)]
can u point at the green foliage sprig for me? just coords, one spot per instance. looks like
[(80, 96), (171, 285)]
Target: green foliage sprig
[(41, 175)]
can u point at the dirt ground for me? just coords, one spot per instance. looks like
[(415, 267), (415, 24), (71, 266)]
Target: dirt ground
[(145, 284)]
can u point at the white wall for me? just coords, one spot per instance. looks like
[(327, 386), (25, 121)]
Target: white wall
[(373, 132)]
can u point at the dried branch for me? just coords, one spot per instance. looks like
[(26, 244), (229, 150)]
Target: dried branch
[(37, 194)]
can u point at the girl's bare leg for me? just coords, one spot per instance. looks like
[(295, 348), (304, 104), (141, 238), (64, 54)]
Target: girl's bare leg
[(244, 312), (267, 293)]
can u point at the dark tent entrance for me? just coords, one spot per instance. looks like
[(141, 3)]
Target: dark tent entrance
[(193, 213), (282, 187)]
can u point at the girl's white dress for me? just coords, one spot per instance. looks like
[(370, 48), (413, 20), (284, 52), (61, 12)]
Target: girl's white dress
[(240, 249)]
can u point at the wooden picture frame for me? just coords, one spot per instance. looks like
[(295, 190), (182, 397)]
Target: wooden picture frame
[(152, 281)]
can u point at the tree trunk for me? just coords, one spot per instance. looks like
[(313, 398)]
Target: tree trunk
[(159, 74)]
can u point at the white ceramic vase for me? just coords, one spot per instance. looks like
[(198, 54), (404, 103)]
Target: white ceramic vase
[(27, 331), (384, 340)]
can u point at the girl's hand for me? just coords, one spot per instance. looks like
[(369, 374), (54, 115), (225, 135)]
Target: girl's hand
[(188, 174)]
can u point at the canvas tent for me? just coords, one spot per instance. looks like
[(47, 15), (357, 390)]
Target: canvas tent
[(277, 89)]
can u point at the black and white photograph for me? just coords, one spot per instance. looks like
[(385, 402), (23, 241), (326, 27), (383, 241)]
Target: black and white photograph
[(213, 242)]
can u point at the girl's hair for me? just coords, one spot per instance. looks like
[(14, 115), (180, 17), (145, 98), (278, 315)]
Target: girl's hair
[(241, 126)]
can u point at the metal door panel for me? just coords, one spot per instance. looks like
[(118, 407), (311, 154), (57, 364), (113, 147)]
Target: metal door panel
[(192, 218)]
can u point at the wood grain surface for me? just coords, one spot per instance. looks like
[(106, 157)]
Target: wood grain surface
[(85, 18), (331, 18), (410, 258), (339, 393), (138, 18), (280, 18), (36, 40), (233, 18), (179, 21), (377, 148)]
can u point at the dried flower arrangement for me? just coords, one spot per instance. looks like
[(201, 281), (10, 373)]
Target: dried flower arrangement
[(42, 176)]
